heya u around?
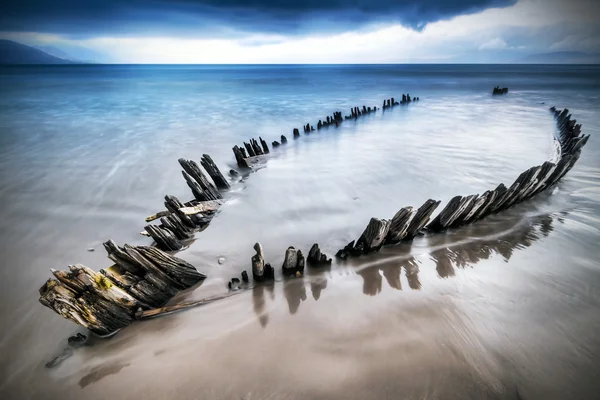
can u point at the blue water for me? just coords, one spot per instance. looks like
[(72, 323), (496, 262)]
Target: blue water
[(87, 152)]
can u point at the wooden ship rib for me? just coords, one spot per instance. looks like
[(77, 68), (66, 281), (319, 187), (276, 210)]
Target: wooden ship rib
[(145, 278)]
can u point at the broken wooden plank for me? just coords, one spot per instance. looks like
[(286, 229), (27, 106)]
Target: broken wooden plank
[(158, 215), (202, 207)]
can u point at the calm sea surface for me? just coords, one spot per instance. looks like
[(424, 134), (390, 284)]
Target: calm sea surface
[(508, 308)]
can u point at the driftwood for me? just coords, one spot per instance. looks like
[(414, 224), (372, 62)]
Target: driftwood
[(214, 172), (105, 302)]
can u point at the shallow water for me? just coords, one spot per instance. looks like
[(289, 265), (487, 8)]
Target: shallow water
[(505, 308)]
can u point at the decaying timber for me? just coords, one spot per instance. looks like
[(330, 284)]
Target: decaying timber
[(372, 238), (201, 207), (145, 277), (214, 172), (293, 263), (261, 271), (106, 301), (202, 188), (461, 210), (316, 257)]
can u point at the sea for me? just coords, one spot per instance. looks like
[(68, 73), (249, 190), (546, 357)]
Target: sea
[(506, 308)]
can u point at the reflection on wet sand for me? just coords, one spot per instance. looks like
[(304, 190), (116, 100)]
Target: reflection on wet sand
[(318, 280), (460, 248), (258, 299), (99, 373), (294, 291), (471, 252)]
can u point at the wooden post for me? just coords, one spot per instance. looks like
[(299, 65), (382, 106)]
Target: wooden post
[(239, 158), (264, 145), (214, 172), (316, 258), (209, 192)]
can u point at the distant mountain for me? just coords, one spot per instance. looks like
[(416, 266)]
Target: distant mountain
[(17, 53), (73, 52), (562, 57), (53, 51)]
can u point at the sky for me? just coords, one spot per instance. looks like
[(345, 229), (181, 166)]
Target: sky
[(313, 31)]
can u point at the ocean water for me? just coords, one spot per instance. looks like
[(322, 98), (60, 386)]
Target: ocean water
[(507, 308)]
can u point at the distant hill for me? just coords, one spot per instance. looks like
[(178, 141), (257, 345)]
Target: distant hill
[(53, 51), (17, 53), (562, 57), (77, 53)]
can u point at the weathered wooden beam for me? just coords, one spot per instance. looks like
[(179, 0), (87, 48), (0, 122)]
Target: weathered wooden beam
[(399, 225), (208, 192), (239, 157), (213, 171), (264, 145), (158, 215), (373, 236), (421, 218), (165, 239), (202, 207), (107, 301)]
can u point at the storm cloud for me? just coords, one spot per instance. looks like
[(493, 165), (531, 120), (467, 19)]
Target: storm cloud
[(77, 18)]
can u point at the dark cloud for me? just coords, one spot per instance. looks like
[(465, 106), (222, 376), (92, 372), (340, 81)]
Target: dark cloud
[(220, 17)]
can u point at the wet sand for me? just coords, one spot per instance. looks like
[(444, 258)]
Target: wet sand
[(472, 319)]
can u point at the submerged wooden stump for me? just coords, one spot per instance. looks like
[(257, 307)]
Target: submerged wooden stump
[(104, 302), (240, 158), (258, 263), (316, 258), (293, 263)]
